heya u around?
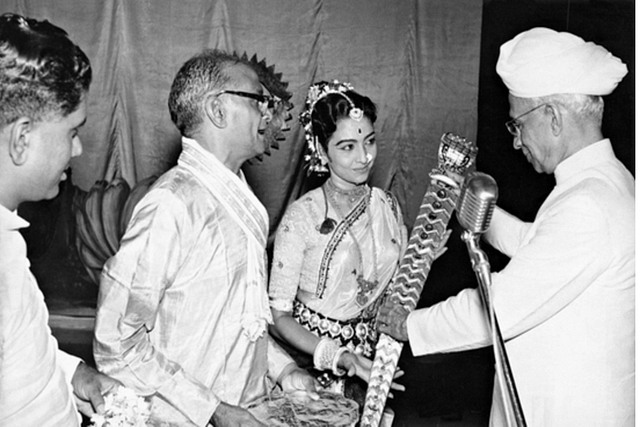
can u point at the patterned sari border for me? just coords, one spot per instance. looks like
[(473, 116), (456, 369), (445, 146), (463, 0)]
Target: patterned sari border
[(336, 238)]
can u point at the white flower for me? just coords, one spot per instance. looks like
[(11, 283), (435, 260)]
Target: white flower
[(124, 408), (253, 326)]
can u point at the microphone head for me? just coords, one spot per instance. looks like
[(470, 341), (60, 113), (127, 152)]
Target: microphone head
[(476, 202)]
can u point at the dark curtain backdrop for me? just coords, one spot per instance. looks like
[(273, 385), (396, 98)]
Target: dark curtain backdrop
[(417, 59)]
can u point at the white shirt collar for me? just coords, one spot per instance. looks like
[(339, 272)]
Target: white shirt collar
[(9, 220), (584, 159)]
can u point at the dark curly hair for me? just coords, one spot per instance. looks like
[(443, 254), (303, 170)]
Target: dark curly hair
[(334, 107), (42, 72)]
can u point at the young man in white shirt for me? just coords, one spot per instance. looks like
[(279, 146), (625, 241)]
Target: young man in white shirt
[(44, 80)]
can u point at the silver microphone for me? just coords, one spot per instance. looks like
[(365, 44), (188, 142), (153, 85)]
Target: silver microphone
[(476, 202), (474, 210)]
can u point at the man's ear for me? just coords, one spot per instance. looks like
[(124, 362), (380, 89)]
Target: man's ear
[(556, 118), (215, 111), (18, 133)]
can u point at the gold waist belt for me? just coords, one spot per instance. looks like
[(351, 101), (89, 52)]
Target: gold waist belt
[(359, 334)]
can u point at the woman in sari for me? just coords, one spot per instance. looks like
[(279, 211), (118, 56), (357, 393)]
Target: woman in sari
[(337, 246)]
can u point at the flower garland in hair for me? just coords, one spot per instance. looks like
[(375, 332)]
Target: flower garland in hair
[(316, 92)]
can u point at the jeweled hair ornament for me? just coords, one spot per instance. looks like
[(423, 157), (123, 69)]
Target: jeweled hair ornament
[(316, 92)]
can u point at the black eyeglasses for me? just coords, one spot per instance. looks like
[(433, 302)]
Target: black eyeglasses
[(264, 101), (514, 127)]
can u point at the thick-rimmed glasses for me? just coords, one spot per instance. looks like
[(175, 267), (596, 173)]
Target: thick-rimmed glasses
[(264, 101), (514, 127)]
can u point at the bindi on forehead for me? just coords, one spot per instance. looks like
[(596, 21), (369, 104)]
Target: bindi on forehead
[(359, 130)]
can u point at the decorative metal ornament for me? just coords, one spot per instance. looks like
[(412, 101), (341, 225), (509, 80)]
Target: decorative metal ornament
[(455, 156), (327, 226), (356, 113)]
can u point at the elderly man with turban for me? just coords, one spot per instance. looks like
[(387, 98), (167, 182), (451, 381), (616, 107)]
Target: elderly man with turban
[(566, 299)]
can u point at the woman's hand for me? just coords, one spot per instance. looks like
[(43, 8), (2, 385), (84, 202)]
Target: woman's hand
[(355, 365), (361, 366)]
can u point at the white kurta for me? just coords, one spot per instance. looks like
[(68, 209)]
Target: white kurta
[(565, 301), (35, 376), (177, 300)]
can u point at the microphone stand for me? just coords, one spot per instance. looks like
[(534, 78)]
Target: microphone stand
[(480, 265)]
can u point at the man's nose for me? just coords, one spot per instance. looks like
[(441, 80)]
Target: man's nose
[(517, 144), (76, 146)]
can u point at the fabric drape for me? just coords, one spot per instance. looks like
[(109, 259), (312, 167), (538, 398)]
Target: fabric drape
[(417, 59)]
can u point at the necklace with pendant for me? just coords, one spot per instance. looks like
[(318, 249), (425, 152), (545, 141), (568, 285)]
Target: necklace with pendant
[(365, 287), (352, 195)]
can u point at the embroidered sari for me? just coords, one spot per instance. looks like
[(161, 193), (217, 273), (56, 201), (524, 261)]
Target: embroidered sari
[(319, 272)]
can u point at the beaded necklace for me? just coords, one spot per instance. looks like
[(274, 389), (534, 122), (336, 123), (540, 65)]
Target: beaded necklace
[(351, 195), (365, 287)]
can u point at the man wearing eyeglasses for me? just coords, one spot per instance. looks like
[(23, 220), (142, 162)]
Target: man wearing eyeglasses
[(566, 300), (182, 310)]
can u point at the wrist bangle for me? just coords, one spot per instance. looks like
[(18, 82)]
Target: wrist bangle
[(324, 354), (338, 372)]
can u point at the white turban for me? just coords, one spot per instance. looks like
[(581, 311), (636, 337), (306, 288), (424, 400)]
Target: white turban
[(541, 62)]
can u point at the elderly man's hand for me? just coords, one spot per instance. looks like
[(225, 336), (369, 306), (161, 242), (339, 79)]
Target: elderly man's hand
[(392, 320), (89, 387)]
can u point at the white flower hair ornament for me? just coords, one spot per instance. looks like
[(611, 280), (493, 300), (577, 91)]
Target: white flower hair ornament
[(316, 92)]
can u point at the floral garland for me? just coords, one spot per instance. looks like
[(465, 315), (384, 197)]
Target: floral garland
[(316, 92), (124, 408)]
